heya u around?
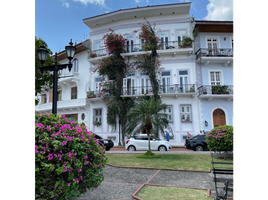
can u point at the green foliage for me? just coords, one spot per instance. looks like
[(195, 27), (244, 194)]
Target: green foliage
[(148, 154), (45, 79), (147, 114), (187, 41), (68, 158), (220, 139)]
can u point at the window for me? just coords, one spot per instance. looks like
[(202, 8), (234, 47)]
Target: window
[(97, 115), (98, 87), (112, 138), (59, 95), (166, 82), (98, 46), (83, 116), (74, 93), (183, 79), (186, 113), (215, 78), (129, 85), (43, 98), (164, 39), (168, 111), (212, 44), (145, 83), (180, 35), (75, 65), (130, 43)]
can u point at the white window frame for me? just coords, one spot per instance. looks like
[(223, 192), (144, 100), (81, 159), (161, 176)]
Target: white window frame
[(166, 89), (129, 90), (180, 35), (98, 47), (169, 112), (75, 68), (128, 39), (185, 86), (221, 76), (97, 86), (231, 42), (186, 115), (164, 39), (213, 37), (97, 117)]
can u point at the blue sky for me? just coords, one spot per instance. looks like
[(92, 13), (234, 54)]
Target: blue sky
[(57, 21)]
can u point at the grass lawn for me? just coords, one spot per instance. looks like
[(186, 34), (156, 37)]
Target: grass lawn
[(196, 162), (172, 193)]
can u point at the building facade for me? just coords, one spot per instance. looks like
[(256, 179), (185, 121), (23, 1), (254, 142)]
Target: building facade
[(181, 81), (214, 67)]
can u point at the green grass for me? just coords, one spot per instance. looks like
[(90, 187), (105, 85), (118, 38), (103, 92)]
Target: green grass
[(196, 162), (172, 193)]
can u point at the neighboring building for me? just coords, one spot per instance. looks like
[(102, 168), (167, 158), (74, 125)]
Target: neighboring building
[(183, 73), (214, 67)]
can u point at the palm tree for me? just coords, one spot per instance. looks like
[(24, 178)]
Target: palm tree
[(146, 114)]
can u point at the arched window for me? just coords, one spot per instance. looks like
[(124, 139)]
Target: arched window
[(75, 65)]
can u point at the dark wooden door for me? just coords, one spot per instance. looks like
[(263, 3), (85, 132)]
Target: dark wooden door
[(219, 117)]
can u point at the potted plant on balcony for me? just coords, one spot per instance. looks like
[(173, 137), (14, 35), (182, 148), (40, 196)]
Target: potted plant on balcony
[(191, 89), (228, 90), (204, 90), (187, 42), (91, 95), (97, 123), (92, 55)]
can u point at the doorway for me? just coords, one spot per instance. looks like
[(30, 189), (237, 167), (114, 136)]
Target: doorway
[(219, 118)]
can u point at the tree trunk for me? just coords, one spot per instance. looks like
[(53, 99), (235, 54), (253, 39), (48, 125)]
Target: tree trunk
[(148, 134)]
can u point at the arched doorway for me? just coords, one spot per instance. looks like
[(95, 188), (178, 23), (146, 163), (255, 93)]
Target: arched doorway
[(219, 117)]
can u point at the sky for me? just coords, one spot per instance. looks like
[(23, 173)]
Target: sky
[(57, 21)]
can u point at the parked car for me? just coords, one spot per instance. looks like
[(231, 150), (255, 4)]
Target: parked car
[(196, 143), (107, 142), (140, 142)]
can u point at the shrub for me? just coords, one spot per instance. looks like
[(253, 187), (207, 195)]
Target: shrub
[(68, 158), (220, 139)]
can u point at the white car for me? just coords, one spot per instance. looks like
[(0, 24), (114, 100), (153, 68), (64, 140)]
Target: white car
[(140, 142)]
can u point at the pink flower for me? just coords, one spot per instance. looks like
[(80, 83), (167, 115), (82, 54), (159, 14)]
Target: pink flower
[(74, 179), (96, 186), (68, 184), (86, 156)]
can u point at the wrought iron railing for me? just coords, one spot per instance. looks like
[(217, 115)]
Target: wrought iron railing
[(162, 46), (93, 94), (98, 53), (215, 89), (214, 52), (163, 89)]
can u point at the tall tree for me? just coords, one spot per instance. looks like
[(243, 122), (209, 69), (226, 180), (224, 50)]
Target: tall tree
[(45, 79), (147, 115)]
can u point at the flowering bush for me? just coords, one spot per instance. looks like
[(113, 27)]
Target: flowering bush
[(68, 158), (220, 139), (114, 42)]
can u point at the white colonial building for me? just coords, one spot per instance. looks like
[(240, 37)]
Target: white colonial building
[(178, 79)]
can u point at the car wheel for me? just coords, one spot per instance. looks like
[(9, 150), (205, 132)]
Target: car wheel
[(107, 149), (199, 148), (131, 148), (162, 148)]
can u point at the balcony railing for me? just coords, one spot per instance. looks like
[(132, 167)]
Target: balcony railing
[(93, 94), (163, 89), (214, 52), (215, 89), (163, 46), (97, 53)]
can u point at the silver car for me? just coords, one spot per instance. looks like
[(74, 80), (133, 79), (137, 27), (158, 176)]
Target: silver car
[(140, 142)]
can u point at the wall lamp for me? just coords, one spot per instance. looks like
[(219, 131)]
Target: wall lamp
[(206, 123)]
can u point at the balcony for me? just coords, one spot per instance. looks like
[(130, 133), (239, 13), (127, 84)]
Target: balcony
[(164, 90), (167, 48), (65, 106), (96, 55), (210, 92), (215, 55), (94, 96)]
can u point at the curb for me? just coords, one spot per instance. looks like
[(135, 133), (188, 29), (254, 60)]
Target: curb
[(141, 187), (160, 169)]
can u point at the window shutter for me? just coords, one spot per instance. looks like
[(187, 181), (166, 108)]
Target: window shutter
[(50, 96)]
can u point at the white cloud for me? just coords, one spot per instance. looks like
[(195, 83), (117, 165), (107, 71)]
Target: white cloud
[(67, 5), (221, 10), (138, 1), (97, 2)]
